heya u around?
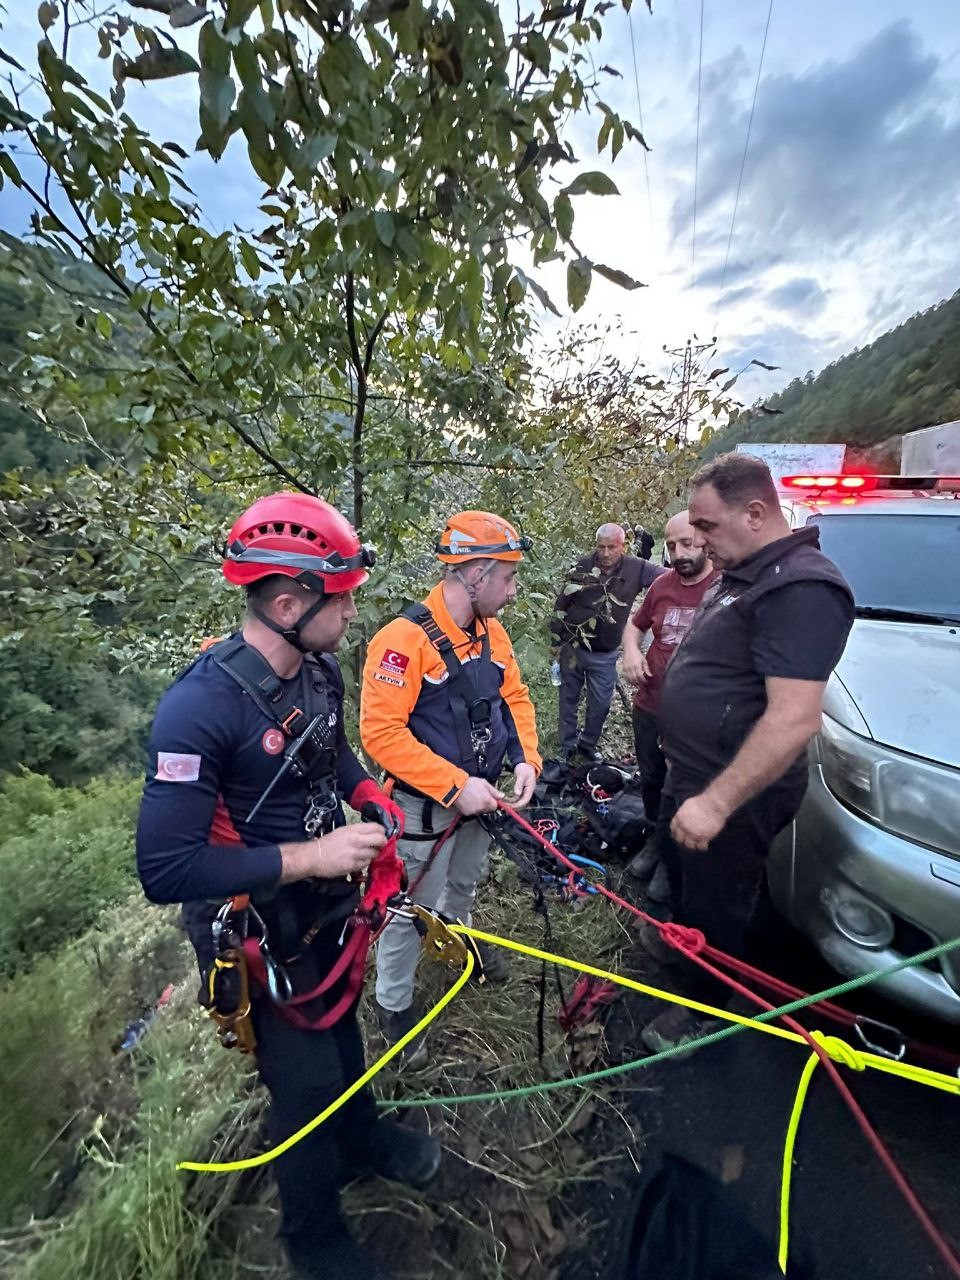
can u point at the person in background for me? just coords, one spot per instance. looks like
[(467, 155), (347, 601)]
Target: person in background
[(666, 613), (644, 541), (740, 701), (587, 627)]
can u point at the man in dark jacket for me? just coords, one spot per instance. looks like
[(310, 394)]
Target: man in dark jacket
[(740, 702), (223, 817), (589, 616)]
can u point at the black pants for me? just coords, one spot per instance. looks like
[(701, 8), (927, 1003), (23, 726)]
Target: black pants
[(304, 1072), (651, 763), (722, 890)]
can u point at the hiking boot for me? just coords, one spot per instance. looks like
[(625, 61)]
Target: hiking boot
[(591, 755), (394, 1025), (651, 939), (658, 890), (337, 1256), (645, 862), (402, 1155), (674, 1027), (496, 966)]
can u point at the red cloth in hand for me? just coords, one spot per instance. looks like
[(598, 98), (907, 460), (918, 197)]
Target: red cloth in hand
[(386, 877), (390, 817)]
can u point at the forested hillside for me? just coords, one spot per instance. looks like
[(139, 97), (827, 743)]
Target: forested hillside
[(909, 378)]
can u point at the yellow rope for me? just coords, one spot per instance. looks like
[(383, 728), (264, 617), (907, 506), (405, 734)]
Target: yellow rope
[(253, 1162), (838, 1049)]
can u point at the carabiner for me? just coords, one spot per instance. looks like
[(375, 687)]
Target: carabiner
[(879, 1049)]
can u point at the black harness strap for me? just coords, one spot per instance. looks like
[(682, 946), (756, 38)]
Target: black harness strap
[(471, 711)]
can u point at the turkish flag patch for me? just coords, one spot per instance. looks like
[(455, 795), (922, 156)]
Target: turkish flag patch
[(395, 663), (172, 767)]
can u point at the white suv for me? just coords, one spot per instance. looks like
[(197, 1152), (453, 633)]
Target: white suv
[(870, 868)]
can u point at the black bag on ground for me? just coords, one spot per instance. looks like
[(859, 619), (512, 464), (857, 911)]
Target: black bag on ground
[(686, 1225)]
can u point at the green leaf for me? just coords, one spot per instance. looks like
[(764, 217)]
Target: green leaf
[(216, 96), (8, 167), (161, 64), (538, 291), (616, 277), (104, 324), (267, 165), (383, 221), (594, 183), (214, 50), (250, 260), (578, 282), (238, 11), (563, 215), (47, 15), (143, 413)]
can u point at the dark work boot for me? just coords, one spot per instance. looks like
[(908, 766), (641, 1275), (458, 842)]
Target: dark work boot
[(337, 1256), (394, 1025), (402, 1155), (658, 890)]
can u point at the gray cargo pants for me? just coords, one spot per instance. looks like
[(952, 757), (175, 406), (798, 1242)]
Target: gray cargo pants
[(448, 885)]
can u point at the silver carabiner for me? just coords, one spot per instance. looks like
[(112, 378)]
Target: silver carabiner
[(879, 1049), (279, 986)]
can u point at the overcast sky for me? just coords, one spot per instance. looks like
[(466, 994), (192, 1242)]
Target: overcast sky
[(849, 212)]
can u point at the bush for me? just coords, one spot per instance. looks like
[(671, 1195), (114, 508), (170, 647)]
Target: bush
[(61, 1024), (64, 856)]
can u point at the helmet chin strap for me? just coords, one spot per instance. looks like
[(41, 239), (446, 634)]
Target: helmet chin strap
[(472, 588), (292, 634)]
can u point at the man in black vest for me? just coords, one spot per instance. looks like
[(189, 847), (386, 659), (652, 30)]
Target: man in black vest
[(741, 700)]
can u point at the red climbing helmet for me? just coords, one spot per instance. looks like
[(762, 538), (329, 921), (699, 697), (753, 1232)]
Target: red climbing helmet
[(300, 536)]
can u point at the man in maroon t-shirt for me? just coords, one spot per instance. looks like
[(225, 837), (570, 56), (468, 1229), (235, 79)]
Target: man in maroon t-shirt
[(668, 609)]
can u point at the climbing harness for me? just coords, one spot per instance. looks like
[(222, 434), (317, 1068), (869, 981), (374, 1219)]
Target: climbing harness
[(471, 711)]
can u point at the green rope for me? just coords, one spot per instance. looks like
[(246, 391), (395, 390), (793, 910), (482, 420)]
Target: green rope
[(525, 1091)]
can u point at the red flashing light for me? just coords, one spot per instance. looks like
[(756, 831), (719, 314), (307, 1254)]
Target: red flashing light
[(821, 483)]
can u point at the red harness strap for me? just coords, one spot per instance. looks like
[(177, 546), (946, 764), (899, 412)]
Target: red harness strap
[(384, 881)]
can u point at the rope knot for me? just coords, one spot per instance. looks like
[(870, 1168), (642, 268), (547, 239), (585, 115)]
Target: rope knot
[(840, 1051), (683, 938)]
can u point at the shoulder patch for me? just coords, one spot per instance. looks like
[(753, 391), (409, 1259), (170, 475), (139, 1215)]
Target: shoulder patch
[(393, 662), (172, 767), (398, 681)]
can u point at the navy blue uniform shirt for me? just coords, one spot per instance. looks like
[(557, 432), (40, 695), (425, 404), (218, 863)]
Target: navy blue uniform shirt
[(212, 755)]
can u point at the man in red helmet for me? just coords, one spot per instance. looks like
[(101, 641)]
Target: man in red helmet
[(248, 767), (442, 706)]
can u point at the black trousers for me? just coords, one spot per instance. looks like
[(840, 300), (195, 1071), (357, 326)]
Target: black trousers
[(651, 763), (304, 1072), (722, 890)]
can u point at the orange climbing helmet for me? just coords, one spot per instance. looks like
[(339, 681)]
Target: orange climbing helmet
[(474, 535)]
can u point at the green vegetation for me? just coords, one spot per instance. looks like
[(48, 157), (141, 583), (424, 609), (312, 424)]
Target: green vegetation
[(907, 379)]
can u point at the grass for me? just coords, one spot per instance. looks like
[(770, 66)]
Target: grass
[(91, 1137), (127, 1214)]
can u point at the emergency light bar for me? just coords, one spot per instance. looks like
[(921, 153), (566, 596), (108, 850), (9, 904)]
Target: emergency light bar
[(861, 484)]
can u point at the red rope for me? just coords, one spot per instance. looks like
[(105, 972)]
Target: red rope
[(692, 943)]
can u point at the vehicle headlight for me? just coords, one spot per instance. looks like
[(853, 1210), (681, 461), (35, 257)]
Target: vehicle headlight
[(911, 797)]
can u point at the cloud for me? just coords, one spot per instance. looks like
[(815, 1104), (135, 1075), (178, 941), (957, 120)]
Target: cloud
[(845, 150), (802, 294)]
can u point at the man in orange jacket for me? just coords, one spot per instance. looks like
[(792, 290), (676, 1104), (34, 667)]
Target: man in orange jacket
[(442, 706)]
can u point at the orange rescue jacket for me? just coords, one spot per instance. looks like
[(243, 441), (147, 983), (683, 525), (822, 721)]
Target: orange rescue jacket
[(406, 719)]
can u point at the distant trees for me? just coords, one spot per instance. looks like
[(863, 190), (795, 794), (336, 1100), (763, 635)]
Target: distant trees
[(907, 379)]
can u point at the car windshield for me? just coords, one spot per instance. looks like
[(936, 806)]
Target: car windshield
[(898, 562)]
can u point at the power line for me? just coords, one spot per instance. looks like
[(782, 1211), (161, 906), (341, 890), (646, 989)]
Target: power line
[(696, 162), (743, 163), (636, 85)]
